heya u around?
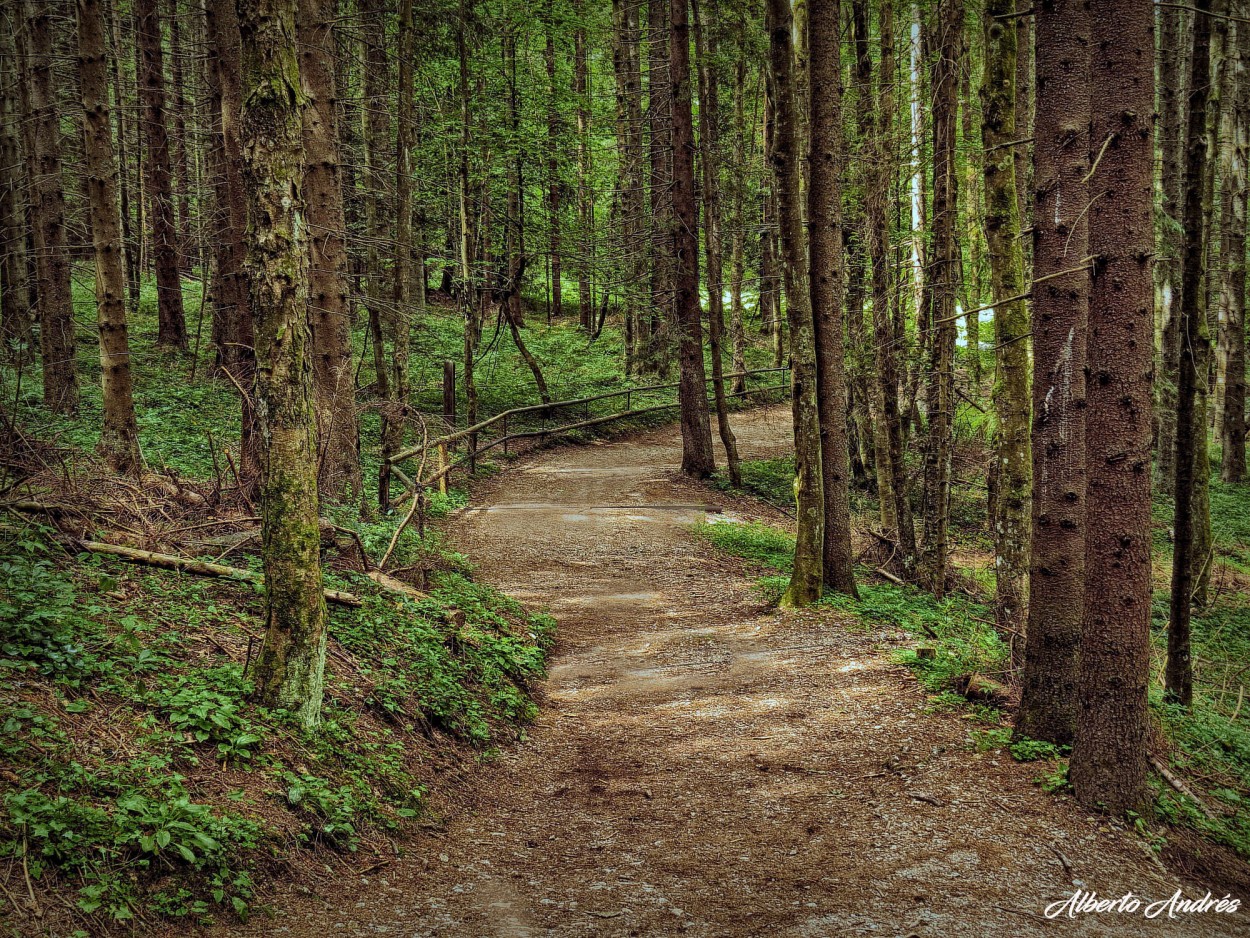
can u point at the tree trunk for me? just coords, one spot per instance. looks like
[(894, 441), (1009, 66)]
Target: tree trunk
[(466, 287), (16, 327), (234, 330), (129, 240), (377, 111), (553, 169), (808, 577), (826, 265), (58, 347), (395, 320), (974, 218), (710, 159), (119, 440), (290, 667), (1194, 354), (1172, 61), (178, 145), (942, 289), (338, 437), (1233, 424), (889, 444), (737, 251), (1011, 322), (585, 207), (697, 456), (171, 322), (629, 87), (663, 309), (1108, 766), (1049, 701)]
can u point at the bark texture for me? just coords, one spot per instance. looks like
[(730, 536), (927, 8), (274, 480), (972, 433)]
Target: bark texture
[(119, 438), (1108, 766), (826, 264), (1012, 512), (16, 324), (941, 287), (57, 343), (1048, 701), (171, 321), (290, 667), (338, 438), (807, 580), (697, 456), (1233, 422)]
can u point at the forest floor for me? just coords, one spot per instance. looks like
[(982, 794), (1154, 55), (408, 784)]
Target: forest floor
[(707, 765)]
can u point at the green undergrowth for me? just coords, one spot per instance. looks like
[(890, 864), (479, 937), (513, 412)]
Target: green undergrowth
[(139, 781), (187, 420)]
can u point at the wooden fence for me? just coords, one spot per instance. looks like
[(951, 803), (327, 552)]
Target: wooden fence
[(544, 421)]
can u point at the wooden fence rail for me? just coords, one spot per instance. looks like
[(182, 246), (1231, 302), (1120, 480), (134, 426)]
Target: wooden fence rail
[(442, 445)]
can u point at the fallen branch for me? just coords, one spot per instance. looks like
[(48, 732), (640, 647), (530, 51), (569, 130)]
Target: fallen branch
[(1179, 784), (200, 567)]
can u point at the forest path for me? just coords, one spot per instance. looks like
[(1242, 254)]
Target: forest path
[(705, 765)]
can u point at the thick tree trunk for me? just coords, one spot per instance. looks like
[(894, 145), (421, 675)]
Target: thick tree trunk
[(1108, 766), (697, 456), (808, 577), (1233, 424), (290, 667), (942, 289), (16, 326), (119, 440), (826, 265), (57, 343), (171, 322), (233, 329), (710, 161), (338, 436), (1012, 455), (1194, 355), (1048, 702)]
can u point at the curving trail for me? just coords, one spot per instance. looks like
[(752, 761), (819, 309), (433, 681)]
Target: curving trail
[(704, 765)]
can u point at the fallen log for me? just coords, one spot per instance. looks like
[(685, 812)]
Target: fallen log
[(1179, 784), (152, 558)]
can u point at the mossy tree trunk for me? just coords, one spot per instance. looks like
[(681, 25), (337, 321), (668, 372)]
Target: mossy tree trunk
[(941, 287), (290, 668), (1012, 454), (1233, 422), (119, 440), (808, 578)]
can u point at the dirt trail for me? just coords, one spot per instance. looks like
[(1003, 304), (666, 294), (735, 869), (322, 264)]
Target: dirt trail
[(704, 765)]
